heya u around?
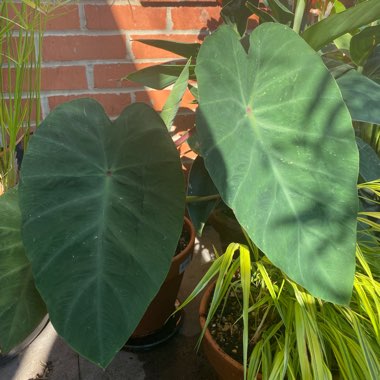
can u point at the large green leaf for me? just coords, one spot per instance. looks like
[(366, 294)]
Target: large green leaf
[(279, 145), (361, 95), (334, 26), (21, 307), (102, 205)]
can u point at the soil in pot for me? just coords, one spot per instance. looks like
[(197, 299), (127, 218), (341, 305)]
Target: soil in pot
[(223, 339), (227, 329)]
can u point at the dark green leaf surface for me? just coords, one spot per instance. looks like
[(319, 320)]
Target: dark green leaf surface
[(279, 145), (363, 44), (102, 205), (200, 184), (369, 162), (320, 34), (371, 68), (236, 14), (264, 16), (21, 307), (281, 12), (361, 95)]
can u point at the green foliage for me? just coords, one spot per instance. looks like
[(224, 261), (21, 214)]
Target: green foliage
[(293, 334), (20, 36), (363, 44), (320, 34), (200, 185), (21, 307), (361, 95), (158, 76), (263, 156), (369, 162), (371, 67), (102, 209), (170, 109)]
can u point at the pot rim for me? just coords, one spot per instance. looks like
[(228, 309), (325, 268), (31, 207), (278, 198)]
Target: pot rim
[(190, 244)]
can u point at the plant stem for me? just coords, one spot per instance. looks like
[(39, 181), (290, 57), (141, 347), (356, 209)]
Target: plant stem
[(298, 16), (200, 198)]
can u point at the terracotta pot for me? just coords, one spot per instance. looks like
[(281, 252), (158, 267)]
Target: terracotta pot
[(224, 365), (163, 305)]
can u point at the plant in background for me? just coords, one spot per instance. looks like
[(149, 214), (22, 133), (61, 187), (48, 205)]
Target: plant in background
[(21, 28)]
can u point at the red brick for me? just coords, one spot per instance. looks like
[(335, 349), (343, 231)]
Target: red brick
[(27, 80), (143, 51), (202, 18), (52, 78), (68, 48), (121, 17), (109, 75), (63, 18), (112, 103), (64, 78), (185, 150), (183, 122)]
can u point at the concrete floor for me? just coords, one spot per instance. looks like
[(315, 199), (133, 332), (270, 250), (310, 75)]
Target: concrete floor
[(49, 357)]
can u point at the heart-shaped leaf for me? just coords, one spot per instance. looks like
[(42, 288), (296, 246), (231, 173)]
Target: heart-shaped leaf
[(279, 145), (21, 307), (102, 205)]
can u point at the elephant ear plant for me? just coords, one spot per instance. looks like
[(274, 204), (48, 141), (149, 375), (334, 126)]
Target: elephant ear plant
[(276, 137), (279, 145), (102, 210)]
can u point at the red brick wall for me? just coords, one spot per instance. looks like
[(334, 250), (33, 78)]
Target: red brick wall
[(91, 44)]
